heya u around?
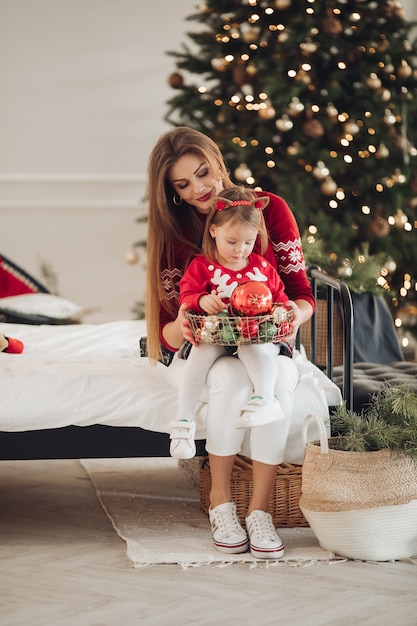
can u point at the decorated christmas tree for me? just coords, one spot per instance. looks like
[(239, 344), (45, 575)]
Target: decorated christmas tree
[(315, 100)]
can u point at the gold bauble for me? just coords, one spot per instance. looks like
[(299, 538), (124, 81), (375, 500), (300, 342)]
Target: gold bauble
[(379, 226), (242, 172), (328, 186), (382, 152), (332, 26), (313, 129), (351, 127), (241, 76), (249, 34), (219, 64), (404, 70), (176, 80), (284, 124), (282, 4), (267, 113), (132, 257), (373, 82)]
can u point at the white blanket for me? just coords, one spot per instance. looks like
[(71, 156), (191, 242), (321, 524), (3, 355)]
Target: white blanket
[(87, 374)]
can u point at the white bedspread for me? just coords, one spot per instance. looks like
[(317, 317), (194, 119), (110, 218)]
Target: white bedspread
[(87, 374)]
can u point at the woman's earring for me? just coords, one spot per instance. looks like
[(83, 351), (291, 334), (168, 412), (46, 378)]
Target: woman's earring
[(177, 200)]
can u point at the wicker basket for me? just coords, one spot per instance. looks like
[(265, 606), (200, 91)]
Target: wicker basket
[(231, 330), (284, 503)]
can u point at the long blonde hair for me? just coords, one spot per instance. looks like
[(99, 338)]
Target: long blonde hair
[(166, 220), (250, 214)]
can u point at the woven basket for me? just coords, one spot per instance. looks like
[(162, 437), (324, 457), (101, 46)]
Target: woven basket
[(361, 505), (284, 502), (232, 330)]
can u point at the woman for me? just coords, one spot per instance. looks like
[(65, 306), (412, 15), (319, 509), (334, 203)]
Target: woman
[(186, 171)]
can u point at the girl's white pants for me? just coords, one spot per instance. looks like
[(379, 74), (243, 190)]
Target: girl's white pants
[(228, 388)]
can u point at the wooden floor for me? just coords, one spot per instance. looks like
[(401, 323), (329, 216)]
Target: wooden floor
[(62, 564)]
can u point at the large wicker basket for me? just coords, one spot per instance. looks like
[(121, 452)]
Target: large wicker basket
[(284, 502)]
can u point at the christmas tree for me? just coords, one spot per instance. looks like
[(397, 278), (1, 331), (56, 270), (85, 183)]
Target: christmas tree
[(315, 100)]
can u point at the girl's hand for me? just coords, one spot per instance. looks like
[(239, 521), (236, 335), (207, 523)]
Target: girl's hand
[(211, 304)]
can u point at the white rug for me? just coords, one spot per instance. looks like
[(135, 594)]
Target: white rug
[(154, 507)]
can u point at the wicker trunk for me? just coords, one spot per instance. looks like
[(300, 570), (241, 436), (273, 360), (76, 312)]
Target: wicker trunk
[(284, 502)]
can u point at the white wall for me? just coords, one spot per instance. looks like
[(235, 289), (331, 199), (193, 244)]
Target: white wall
[(83, 93), (83, 87)]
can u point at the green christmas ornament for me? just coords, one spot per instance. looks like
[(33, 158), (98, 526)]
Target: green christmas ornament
[(228, 334), (267, 331)]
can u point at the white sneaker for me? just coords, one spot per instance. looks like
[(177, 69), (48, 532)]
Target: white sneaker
[(258, 412), (182, 444), (265, 543), (227, 532)]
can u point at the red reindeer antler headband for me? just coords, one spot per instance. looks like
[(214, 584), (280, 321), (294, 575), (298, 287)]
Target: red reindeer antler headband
[(219, 204)]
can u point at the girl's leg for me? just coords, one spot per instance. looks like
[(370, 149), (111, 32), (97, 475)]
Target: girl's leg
[(268, 442), (198, 364), (260, 361), (182, 436)]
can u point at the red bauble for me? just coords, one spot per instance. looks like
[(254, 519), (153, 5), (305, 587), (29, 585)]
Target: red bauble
[(250, 328), (252, 298)]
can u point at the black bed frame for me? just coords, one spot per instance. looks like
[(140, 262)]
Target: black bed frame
[(99, 441)]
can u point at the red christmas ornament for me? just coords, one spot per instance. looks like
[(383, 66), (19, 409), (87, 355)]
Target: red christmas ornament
[(250, 328), (251, 298)]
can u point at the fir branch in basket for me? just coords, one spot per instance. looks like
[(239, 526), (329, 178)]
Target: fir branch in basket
[(389, 421)]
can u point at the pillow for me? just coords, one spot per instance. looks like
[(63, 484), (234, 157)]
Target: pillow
[(39, 308)]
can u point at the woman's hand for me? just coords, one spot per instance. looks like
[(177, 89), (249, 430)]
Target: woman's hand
[(185, 325), (302, 311)]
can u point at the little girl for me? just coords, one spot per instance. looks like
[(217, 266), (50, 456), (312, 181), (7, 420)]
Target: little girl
[(227, 261)]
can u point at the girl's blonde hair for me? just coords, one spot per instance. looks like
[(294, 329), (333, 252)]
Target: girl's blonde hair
[(249, 212), (171, 225)]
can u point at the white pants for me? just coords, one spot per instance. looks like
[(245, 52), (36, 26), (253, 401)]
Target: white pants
[(228, 388), (258, 359)]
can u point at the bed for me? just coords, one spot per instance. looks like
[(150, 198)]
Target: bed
[(82, 390)]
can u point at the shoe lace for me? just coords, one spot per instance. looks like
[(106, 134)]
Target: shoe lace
[(263, 527), (228, 522)]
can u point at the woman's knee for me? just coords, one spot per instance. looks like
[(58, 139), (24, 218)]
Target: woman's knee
[(229, 374)]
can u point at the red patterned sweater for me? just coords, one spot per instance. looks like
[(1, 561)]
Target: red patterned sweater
[(284, 252), (204, 276)]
